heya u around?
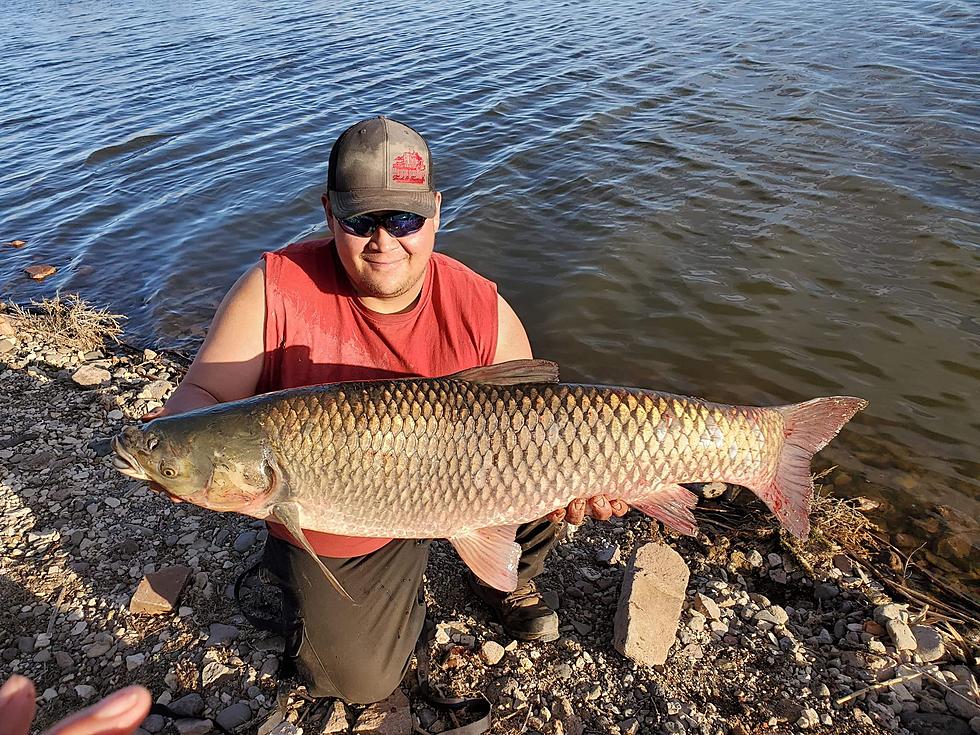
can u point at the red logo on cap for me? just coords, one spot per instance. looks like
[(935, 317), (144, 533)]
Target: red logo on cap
[(408, 168)]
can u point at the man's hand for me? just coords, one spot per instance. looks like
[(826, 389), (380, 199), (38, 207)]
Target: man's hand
[(118, 714), (149, 416), (599, 507)]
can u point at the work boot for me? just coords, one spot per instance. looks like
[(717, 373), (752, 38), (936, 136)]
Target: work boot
[(522, 612)]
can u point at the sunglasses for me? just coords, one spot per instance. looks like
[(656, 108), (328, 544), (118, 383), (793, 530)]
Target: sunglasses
[(398, 224)]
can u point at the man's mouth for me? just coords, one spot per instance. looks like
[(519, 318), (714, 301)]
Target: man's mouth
[(125, 462)]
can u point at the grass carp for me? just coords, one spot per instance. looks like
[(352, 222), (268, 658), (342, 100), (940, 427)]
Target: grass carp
[(471, 456)]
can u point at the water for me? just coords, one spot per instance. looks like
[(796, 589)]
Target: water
[(749, 201)]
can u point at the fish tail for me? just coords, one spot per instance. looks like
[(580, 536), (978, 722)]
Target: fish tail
[(807, 427)]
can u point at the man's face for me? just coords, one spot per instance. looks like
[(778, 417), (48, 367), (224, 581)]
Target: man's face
[(382, 266)]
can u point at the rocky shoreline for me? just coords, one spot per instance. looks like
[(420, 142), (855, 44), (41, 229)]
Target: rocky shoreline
[(772, 637)]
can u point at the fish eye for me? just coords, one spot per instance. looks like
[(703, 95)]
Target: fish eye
[(168, 470), (151, 442)]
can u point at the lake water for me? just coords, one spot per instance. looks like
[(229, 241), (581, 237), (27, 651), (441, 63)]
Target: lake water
[(750, 201)]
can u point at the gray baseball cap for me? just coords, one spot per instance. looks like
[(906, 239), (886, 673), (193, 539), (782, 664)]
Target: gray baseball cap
[(380, 164)]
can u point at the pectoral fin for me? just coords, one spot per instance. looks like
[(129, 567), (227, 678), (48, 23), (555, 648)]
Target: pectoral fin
[(287, 514), (492, 554)]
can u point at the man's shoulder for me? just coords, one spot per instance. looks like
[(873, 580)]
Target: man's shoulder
[(303, 247), (457, 270)]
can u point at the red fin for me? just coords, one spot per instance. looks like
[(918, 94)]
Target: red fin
[(807, 428), (512, 372), (492, 554), (670, 504)]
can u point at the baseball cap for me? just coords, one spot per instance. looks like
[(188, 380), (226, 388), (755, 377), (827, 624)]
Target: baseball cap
[(380, 164)]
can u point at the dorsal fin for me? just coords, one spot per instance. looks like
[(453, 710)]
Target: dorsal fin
[(511, 372)]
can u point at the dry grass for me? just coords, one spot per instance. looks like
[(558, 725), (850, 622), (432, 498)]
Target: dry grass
[(69, 321)]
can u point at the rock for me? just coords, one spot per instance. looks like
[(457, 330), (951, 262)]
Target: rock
[(153, 723), (40, 272), (933, 724), (632, 725), (389, 717), (808, 718), (492, 652), (650, 604), (88, 376), (336, 720), (158, 592), (135, 661), (156, 390), (193, 726), (929, 644), (901, 635), (7, 344), (234, 716), (608, 555), (244, 541), (825, 591), (84, 691), (190, 705), (220, 633), (214, 672), (883, 613), (963, 701), (707, 606), (975, 725)]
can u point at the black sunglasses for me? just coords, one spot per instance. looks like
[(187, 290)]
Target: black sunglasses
[(398, 224)]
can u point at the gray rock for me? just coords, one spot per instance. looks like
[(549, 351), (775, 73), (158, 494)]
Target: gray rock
[(934, 724), (825, 591), (244, 541), (193, 726), (213, 673), (234, 716), (190, 705), (153, 723), (88, 376), (135, 661), (883, 613), (84, 691), (901, 635), (650, 604), (220, 633), (963, 701), (707, 606), (389, 717), (929, 644)]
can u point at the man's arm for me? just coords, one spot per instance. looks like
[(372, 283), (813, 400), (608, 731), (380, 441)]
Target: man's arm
[(512, 344), (229, 363)]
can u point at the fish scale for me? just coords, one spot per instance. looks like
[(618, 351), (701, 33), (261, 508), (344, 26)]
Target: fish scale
[(375, 460)]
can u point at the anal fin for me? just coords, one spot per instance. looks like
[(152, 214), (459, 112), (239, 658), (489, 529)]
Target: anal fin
[(492, 554), (288, 514), (670, 504)]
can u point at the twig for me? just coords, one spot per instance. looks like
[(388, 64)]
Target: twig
[(57, 609), (879, 685), (948, 688)]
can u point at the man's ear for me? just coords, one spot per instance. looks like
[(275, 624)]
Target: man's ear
[(327, 210), (435, 218)]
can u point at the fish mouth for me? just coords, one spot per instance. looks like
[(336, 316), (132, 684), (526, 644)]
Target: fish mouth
[(125, 462)]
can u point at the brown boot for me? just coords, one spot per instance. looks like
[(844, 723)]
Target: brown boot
[(522, 612)]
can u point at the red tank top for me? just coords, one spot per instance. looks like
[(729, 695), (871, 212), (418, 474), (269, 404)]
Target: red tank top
[(317, 331)]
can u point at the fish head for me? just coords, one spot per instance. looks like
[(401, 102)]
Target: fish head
[(201, 466)]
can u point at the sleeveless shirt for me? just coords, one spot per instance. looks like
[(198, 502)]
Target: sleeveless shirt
[(318, 331)]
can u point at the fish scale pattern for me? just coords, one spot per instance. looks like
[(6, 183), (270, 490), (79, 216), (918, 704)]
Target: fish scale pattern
[(436, 457)]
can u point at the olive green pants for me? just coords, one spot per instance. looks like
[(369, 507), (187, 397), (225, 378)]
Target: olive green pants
[(359, 653)]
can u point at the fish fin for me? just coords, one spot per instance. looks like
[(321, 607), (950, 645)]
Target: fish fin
[(807, 427), (671, 505), (288, 514), (512, 372), (492, 554)]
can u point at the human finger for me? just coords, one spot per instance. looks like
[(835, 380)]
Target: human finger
[(118, 714), (17, 705), (619, 507), (576, 511), (599, 508), (150, 415), (557, 516)]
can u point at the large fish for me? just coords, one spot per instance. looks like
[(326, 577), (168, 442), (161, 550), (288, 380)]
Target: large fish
[(471, 456)]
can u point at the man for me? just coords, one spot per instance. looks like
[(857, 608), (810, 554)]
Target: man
[(373, 302)]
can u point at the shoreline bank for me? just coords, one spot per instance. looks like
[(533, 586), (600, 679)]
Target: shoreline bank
[(773, 637)]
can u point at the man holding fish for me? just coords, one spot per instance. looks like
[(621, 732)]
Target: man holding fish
[(374, 302), (396, 401)]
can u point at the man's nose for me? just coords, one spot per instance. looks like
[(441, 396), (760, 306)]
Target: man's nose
[(383, 241)]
